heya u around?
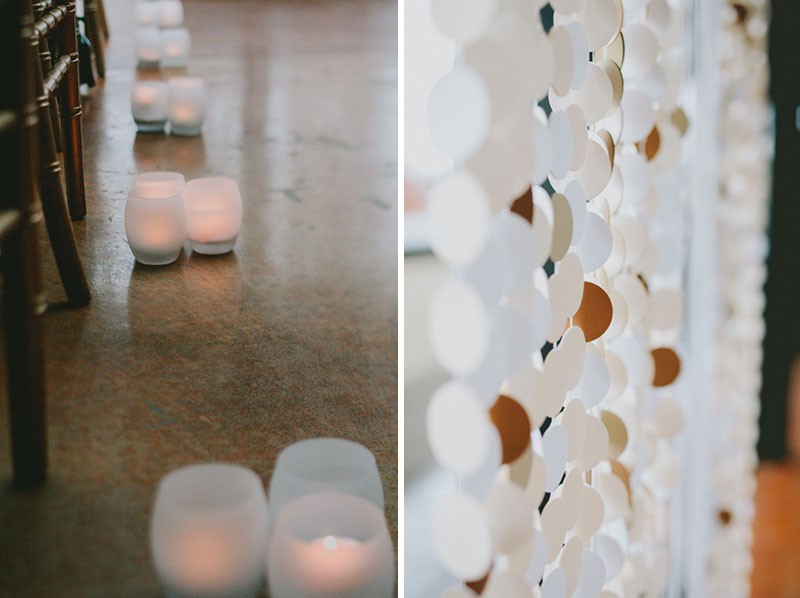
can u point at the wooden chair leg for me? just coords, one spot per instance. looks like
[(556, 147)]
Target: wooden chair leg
[(101, 11), (54, 204), (24, 302), (93, 31), (69, 97)]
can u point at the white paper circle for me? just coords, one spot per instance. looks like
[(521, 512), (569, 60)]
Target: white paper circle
[(635, 178), (459, 327), (579, 135), (595, 246), (478, 484), (554, 453), (567, 7), (635, 295), (595, 446), (635, 236), (593, 575), (458, 428), (554, 526), (615, 496), (638, 115), (538, 559), (611, 554), (641, 49), (592, 512), (542, 148), (595, 381), (618, 374), (458, 209), (595, 173), (463, 21), (505, 585), (461, 535), (570, 561), (573, 420), (596, 96), (459, 113), (601, 19), (666, 309), (561, 43), (580, 54), (494, 167), (459, 591), (563, 143), (667, 420), (514, 134), (510, 517), (555, 585), (493, 62), (577, 204)]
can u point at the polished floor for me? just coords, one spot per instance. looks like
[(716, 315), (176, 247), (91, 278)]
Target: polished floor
[(229, 358)]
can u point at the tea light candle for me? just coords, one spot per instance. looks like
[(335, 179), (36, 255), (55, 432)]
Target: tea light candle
[(148, 47), (331, 545), (175, 47), (147, 12), (213, 214), (170, 13), (208, 534), (325, 465), (149, 105), (155, 224), (187, 105)]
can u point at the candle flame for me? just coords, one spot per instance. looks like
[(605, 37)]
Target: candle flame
[(329, 542)]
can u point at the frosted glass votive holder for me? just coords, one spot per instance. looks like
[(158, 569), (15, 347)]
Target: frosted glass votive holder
[(187, 105), (208, 533), (147, 13), (150, 105), (330, 545), (325, 465), (155, 224), (176, 44), (161, 179), (213, 214), (170, 13), (148, 46)]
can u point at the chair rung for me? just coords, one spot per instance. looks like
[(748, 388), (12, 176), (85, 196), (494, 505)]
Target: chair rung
[(9, 221), (56, 74), (49, 21), (7, 120)]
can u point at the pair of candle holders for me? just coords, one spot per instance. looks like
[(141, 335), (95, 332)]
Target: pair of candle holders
[(163, 210), (181, 102), (160, 38), (323, 535)]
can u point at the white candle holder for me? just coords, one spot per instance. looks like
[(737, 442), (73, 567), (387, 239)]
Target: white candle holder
[(148, 47), (155, 224), (187, 105), (208, 533), (170, 13), (325, 465), (161, 179), (213, 214), (147, 13), (331, 545), (176, 44), (150, 105)]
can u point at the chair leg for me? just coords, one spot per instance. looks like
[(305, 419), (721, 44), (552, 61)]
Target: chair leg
[(93, 30), (69, 97), (101, 11), (54, 205), (24, 304), (46, 58)]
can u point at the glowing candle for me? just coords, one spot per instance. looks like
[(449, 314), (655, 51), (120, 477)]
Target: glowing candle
[(155, 224), (325, 465), (331, 545), (170, 13), (149, 105), (208, 533), (175, 47), (187, 105), (161, 179), (148, 47), (213, 214)]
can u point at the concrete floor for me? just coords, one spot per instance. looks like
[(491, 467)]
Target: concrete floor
[(294, 335)]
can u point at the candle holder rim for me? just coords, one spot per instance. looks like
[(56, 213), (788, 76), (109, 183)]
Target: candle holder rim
[(167, 194), (159, 176), (296, 511), (186, 82), (363, 464), (171, 492), (212, 179)]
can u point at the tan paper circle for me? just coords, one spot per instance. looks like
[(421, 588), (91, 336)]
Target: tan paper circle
[(617, 434), (667, 366), (651, 144), (595, 312), (511, 421), (562, 227), (614, 75)]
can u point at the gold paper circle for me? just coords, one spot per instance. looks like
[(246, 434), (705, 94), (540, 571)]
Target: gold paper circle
[(650, 145), (614, 75), (519, 472), (617, 434), (594, 313), (562, 227), (511, 420), (667, 366), (523, 205), (619, 470), (679, 120)]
